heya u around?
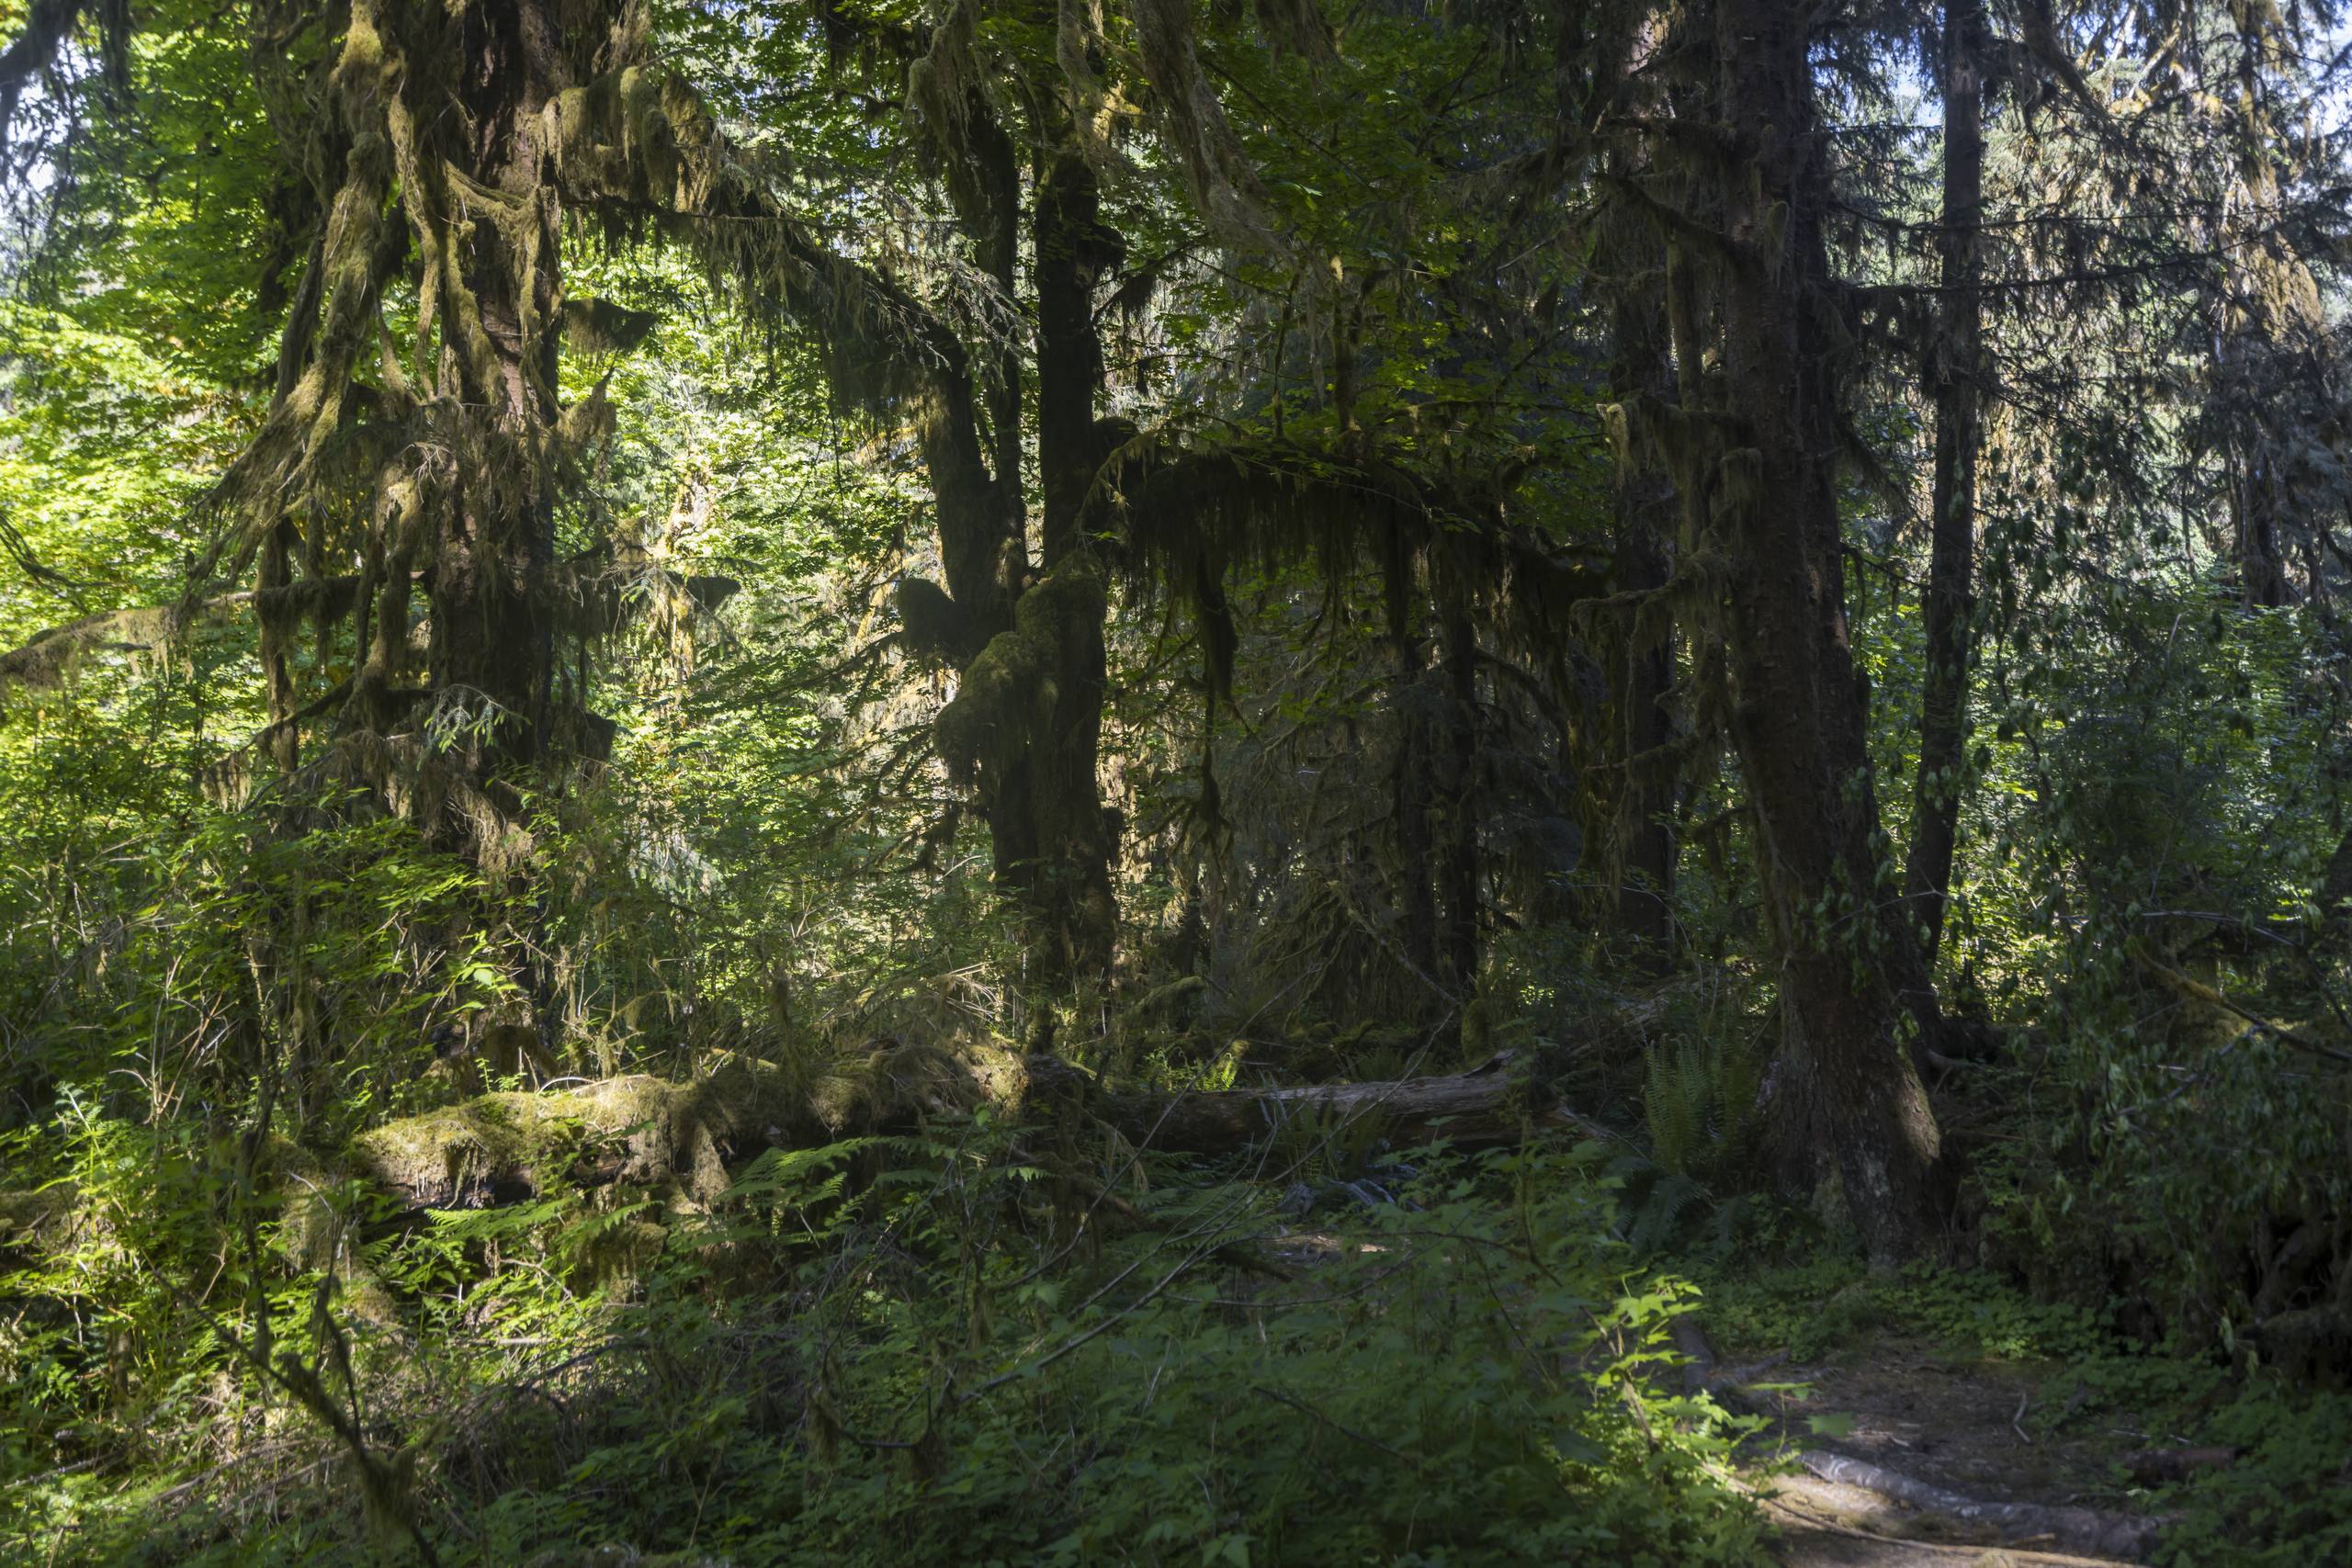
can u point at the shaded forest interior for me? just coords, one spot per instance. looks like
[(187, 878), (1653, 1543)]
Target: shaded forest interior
[(1335, 781)]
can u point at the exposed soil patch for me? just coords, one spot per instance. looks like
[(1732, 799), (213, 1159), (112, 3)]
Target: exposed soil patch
[(1958, 1424), (1966, 1425), (1824, 1525)]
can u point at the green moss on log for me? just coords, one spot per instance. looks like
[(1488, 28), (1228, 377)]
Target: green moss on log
[(649, 1132)]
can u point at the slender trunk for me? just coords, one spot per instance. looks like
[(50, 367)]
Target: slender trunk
[(276, 574), (1410, 782), (1461, 861), (1842, 1077), (1646, 818), (1957, 371)]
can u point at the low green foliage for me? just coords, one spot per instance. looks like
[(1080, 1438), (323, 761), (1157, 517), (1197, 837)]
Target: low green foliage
[(2286, 1501), (931, 1349)]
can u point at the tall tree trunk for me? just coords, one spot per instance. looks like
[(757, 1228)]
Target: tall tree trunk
[(493, 630), (1957, 372), (1842, 1078), (1409, 782), (1072, 886), (1460, 870), (1640, 366)]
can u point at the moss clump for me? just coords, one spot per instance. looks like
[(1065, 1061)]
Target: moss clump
[(478, 1153), (1010, 692), (649, 1132)]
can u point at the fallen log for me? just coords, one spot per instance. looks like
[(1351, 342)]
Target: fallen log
[(504, 1148), (1489, 1106), (497, 1149)]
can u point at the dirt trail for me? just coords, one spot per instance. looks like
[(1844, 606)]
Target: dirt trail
[(1822, 1525), (1957, 1426)]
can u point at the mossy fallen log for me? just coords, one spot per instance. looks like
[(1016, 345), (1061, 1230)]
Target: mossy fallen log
[(511, 1147), (1486, 1107)]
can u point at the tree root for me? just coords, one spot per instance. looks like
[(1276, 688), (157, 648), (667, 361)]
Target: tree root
[(2092, 1531)]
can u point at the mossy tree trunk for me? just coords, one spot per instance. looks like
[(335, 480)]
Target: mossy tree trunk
[(1844, 1082), (434, 159), (1025, 727), (493, 632)]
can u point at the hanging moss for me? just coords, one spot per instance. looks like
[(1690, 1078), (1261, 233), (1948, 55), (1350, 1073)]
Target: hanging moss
[(45, 661), (601, 326), (1224, 182), (1190, 515), (934, 627)]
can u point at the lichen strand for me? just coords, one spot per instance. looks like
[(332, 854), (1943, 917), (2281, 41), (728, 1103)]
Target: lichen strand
[(1224, 181), (44, 662)]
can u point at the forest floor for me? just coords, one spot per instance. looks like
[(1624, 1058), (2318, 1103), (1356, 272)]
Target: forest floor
[(1954, 1422), (1822, 1525), (1919, 1406)]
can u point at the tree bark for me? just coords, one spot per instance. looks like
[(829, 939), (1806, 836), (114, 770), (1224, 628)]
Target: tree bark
[(493, 626), (1416, 898), (1957, 371), (1842, 1078), (1072, 891)]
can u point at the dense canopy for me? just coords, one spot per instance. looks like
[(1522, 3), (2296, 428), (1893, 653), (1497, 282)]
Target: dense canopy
[(908, 781)]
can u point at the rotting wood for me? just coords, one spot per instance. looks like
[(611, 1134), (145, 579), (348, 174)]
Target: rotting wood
[(1487, 1107), (504, 1148)]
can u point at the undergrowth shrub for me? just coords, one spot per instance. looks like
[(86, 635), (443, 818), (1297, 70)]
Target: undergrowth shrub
[(953, 1347)]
